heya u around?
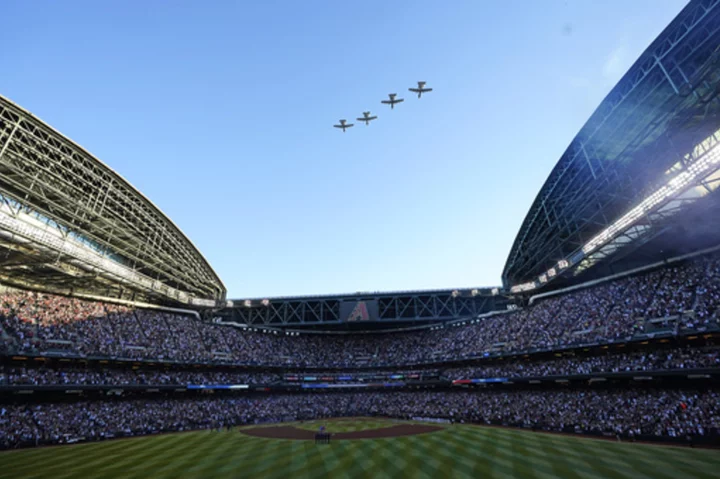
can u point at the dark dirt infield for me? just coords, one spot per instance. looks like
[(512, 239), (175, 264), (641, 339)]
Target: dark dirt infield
[(290, 432)]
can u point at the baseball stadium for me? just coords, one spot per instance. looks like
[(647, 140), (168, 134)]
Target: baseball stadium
[(121, 354)]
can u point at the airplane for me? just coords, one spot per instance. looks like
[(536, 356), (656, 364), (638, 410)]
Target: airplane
[(420, 89), (392, 100), (367, 118), (343, 125)]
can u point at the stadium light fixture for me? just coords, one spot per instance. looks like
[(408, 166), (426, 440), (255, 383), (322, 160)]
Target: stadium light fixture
[(208, 303), (521, 288), (700, 168), (247, 303)]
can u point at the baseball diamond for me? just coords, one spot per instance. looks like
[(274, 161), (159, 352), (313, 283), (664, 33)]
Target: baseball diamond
[(451, 451)]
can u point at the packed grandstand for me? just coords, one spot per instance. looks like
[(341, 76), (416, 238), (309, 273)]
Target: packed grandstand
[(623, 343), (665, 320)]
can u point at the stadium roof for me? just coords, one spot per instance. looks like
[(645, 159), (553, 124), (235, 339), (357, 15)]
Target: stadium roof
[(650, 144), (385, 310), (72, 225)]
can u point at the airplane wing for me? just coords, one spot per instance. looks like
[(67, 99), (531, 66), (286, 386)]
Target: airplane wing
[(427, 90), (387, 102), (415, 90), (399, 100), (339, 126)]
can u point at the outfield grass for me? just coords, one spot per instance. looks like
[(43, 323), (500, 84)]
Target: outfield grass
[(457, 451)]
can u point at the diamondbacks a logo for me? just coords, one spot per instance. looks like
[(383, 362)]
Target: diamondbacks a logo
[(359, 312)]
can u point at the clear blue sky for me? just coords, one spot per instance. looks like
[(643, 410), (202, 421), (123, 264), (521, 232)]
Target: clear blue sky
[(221, 113)]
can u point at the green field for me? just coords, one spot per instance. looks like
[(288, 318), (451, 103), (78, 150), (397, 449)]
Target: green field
[(456, 451)]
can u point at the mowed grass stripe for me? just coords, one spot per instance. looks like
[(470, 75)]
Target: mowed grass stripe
[(464, 458), (135, 458), (354, 459), (295, 463), (608, 455), (697, 457), (45, 456), (423, 453), (454, 456), (231, 449), (682, 458), (236, 458), (599, 457), (191, 453), (273, 452), (61, 461), (574, 461), (605, 464), (538, 457), (614, 458), (482, 452)]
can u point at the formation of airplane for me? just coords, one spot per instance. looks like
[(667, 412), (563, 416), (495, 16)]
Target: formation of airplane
[(344, 125), (392, 101), (420, 89)]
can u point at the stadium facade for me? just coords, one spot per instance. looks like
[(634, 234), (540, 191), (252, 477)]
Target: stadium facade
[(640, 172), (627, 192), (69, 224), (366, 310)]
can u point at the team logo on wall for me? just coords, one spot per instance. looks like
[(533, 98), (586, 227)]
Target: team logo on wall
[(359, 312)]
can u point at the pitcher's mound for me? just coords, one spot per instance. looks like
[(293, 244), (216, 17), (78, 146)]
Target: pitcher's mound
[(290, 432)]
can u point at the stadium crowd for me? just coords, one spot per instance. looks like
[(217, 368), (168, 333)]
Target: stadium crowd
[(629, 412), (676, 358), (41, 323), (656, 360)]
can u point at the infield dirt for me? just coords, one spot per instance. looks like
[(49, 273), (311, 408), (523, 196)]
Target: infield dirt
[(290, 432)]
